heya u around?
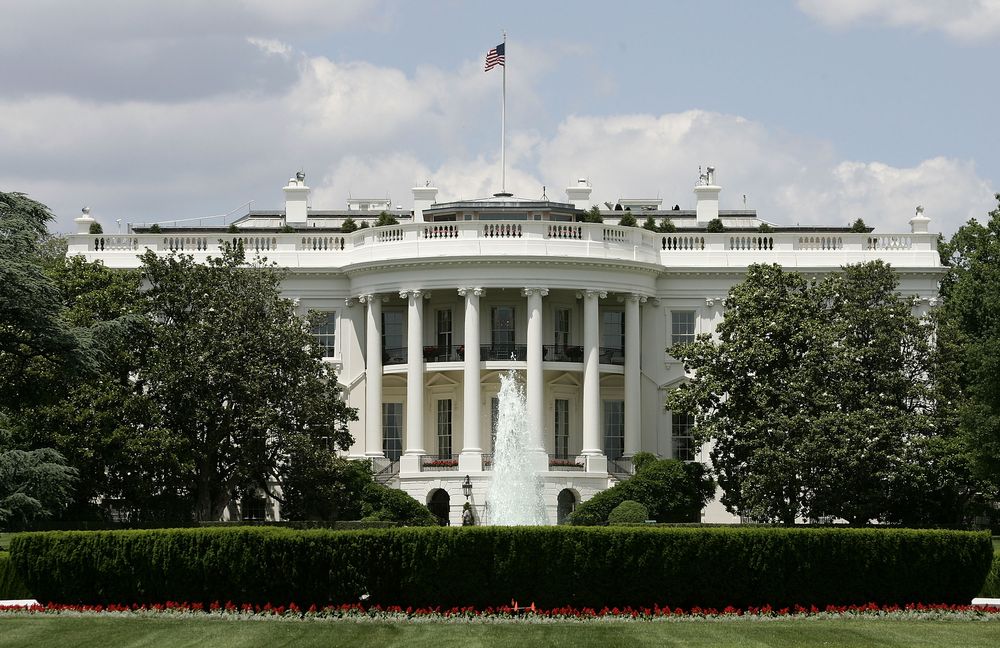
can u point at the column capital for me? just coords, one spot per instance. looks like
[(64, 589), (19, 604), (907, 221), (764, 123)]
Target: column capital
[(349, 302), (600, 294), (712, 301), (465, 292), (633, 297), (416, 292), (527, 292), (367, 299)]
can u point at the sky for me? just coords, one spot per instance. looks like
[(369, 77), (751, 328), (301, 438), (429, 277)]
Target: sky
[(815, 112)]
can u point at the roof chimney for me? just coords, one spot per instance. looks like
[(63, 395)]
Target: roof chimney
[(919, 223), (423, 198), (296, 199), (84, 221), (707, 194), (580, 194)]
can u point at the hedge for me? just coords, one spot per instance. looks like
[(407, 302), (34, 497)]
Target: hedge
[(11, 586), (991, 588), (487, 566)]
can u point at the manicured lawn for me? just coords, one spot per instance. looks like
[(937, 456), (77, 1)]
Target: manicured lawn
[(91, 631)]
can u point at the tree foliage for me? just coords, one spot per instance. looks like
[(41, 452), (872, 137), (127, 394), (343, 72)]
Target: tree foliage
[(34, 484), (593, 215), (234, 375), (969, 342), (816, 396)]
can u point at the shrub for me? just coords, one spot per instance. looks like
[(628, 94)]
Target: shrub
[(155, 228), (393, 505), (348, 225), (859, 226), (628, 512), (232, 229), (764, 228), (672, 491), (11, 586), (715, 225), (287, 229), (363, 225), (641, 459), (95, 228), (593, 215), (991, 588), (667, 226), (486, 566), (649, 224), (385, 218), (627, 220)]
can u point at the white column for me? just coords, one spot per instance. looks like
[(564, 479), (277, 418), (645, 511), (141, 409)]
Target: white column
[(373, 377), (471, 455), (535, 389), (414, 372), (633, 401), (591, 375)]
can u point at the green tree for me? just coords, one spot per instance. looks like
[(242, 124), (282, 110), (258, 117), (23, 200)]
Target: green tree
[(649, 224), (40, 352), (385, 218), (348, 225), (592, 215), (234, 374), (319, 485), (859, 226), (34, 485), (628, 220), (815, 395), (715, 225), (968, 343)]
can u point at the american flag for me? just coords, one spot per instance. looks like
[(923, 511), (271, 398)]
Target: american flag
[(495, 57)]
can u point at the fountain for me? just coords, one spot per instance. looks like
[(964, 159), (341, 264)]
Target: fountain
[(514, 497)]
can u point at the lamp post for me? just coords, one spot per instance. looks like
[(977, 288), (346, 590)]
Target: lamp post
[(467, 488)]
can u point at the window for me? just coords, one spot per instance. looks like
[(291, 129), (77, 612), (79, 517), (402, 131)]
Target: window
[(561, 427), (444, 332), (614, 428), (562, 330), (494, 415), (681, 327), (254, 507), (324, 331), (612, 334), (444, 428), (392, 430), (683, 442), (503, 332), (393, 347)]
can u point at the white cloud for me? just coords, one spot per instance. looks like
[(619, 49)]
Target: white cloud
[(271, 46), (964, 20)]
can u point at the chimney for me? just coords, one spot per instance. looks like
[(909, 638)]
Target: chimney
[(296, 198), (423, 198), (580, 194), (707, 194), (919, 223), (84, 221)]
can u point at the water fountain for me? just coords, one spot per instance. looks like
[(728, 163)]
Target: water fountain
[(514, 496)]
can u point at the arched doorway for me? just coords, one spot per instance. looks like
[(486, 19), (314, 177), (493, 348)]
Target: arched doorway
[(439, 502), (566, 504)]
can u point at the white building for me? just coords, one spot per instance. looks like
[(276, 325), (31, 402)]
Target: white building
[(424, 316)]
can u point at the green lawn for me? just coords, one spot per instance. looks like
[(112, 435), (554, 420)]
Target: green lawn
[(60, 632)]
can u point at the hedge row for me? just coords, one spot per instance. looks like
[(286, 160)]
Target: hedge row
[(484, 566), (11, 586), (991, 588)]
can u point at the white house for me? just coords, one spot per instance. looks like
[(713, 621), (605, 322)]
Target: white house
[(423, 317)]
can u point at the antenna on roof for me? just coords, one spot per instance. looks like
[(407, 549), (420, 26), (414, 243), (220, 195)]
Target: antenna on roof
[(544, 197)]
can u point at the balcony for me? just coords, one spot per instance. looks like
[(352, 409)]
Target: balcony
[(438, 463), (542, 239), (504, 353)]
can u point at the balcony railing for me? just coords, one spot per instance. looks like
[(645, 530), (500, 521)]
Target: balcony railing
[(562, 353), (504, 352), (612, 356), (438, 462), (557, 462), (517, 352), (533, 238), (394, 356), (451, 353), (621, 467)]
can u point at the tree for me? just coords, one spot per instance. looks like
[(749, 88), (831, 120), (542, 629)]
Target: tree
[(815, 395), (234, 374), (627, 219), (859, 226), (348, 225), (385, 218), (764, 228), (95, 228), (40, 352), (34, 484), (593, 215), (667, 226), (649, 224), (319, 485), (715, 226), (968, 343)]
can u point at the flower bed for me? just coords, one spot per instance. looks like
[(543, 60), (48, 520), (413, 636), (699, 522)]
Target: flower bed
[(507, 613)]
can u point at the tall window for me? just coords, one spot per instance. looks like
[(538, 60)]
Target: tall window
[(562, 330), (683, 442), (612, 332), (444, 332), (561, 427), (444, 428), (494, 415), (392, 337), (503, 331), (681, 327), (324, 331), (392, 430), (614, 428)]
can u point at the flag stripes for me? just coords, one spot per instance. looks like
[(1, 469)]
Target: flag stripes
[(495, 57)]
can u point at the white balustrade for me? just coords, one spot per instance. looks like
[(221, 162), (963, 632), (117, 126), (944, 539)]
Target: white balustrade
[(820, 242), (563, 231), (747, 242), (685, 242), (890, 242)]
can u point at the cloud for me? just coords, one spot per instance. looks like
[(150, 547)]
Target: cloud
[(962, 20)]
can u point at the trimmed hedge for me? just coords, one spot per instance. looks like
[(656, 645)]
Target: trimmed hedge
[(484, 566), (11, 586), (628, 512), (991, 588)]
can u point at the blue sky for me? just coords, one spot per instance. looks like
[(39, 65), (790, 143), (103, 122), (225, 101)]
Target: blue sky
[(819, 111)]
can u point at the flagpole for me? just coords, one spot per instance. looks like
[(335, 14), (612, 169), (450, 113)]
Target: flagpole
[(503, 122)]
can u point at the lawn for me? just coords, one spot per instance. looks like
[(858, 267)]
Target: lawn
[(59, 632)]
